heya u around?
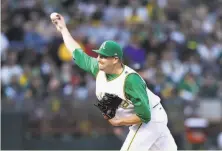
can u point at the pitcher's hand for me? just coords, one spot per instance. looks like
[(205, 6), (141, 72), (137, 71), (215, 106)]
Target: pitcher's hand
[(58, 20)]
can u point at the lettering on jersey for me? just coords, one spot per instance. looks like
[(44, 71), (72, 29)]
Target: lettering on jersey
[(125, 104)]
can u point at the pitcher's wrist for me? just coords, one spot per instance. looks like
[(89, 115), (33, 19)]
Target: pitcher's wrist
[(64, 30)]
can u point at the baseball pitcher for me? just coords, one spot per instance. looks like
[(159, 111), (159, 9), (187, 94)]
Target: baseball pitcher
[(123, 97)]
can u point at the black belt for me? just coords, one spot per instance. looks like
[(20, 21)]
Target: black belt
[(156, 105)]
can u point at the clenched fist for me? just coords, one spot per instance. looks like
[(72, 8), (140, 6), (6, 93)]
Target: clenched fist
[(58, 21)]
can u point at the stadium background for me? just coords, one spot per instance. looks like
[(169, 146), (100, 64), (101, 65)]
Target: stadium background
[(47, 101)]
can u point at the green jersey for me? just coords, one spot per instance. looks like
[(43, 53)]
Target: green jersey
[(134, 87)]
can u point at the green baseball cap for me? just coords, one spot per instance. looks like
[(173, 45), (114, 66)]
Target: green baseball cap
[(110, 49)]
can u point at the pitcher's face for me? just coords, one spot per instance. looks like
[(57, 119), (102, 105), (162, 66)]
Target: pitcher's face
[(106, 63)]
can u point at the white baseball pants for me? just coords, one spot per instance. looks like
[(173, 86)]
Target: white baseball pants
[(154, 135)]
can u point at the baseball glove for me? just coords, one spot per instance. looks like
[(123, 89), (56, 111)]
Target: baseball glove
[(109, 104)]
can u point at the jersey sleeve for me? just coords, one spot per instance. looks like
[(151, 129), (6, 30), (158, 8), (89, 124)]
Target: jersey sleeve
[(85, 62), (135, 90)]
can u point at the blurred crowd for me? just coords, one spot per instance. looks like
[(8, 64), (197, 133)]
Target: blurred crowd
[(176, 46)]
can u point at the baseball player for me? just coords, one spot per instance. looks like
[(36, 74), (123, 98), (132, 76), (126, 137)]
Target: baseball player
[(140, 109)]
